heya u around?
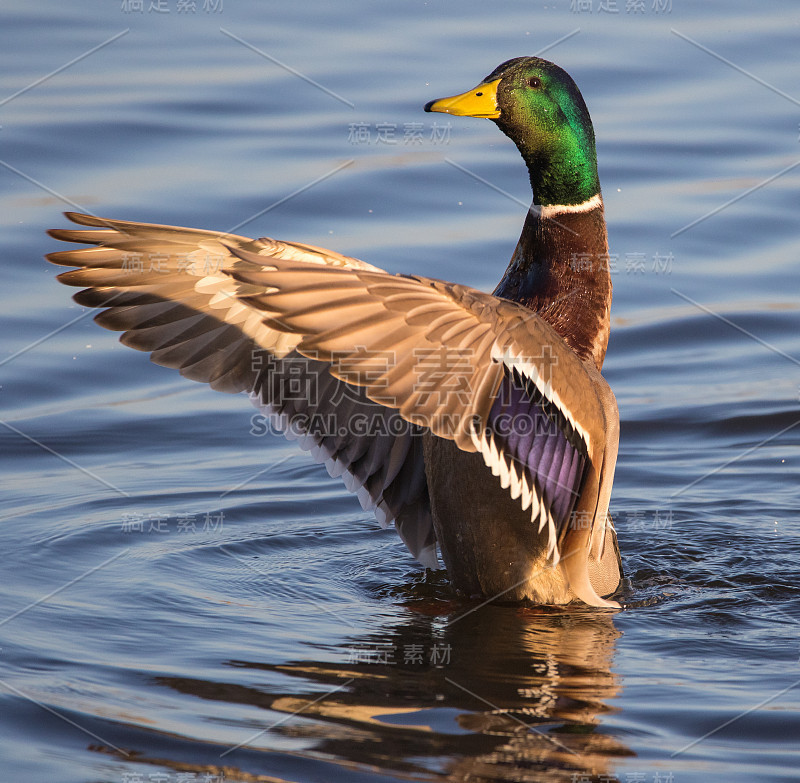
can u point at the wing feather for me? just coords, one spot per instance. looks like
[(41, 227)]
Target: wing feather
[(167, 290), (455, 350)]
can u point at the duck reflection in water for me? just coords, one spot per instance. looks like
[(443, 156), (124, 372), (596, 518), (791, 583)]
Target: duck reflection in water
[(495, 693)]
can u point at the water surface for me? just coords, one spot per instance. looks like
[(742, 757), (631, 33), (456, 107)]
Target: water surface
[(182, 598)]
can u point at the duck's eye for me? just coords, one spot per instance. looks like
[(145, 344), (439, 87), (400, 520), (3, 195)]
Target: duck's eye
[(534, 82)]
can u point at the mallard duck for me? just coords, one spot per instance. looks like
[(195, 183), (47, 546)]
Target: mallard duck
[(478, 422)]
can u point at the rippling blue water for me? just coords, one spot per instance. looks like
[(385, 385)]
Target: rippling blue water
[(182, 599)]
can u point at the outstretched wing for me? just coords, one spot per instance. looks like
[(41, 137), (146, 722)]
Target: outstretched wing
[(482, 371), (171, 292)]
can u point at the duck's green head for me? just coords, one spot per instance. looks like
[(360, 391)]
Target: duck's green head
[(538, 106)]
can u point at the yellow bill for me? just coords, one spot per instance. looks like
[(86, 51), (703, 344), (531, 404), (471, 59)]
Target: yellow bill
[(481, 101)]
